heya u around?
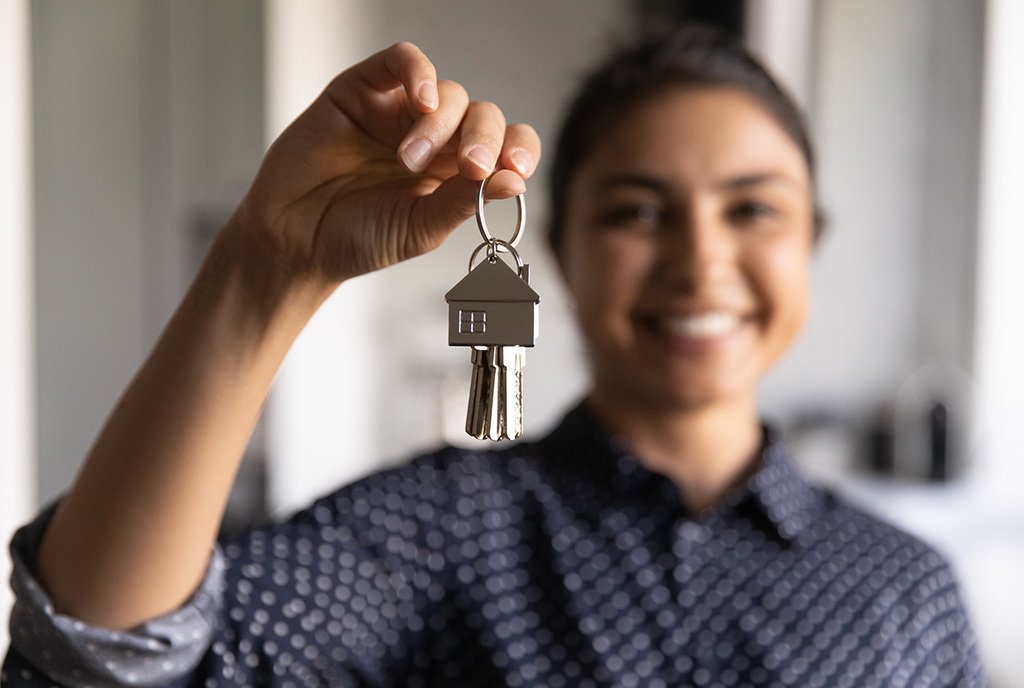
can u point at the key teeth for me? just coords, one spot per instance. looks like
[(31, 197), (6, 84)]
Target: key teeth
[(495, 405)]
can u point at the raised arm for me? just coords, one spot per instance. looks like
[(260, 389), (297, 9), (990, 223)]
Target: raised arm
[(380, 168)]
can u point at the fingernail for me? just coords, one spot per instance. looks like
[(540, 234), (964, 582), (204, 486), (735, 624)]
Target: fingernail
[(522, 160), (481, 157), (517, 188), (428, 94), (416, 154)]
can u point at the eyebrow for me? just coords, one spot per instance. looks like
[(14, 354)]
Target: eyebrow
[(639, 180), (760, 179), (658, 185)]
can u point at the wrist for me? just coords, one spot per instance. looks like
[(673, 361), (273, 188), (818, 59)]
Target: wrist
[(269, 289)]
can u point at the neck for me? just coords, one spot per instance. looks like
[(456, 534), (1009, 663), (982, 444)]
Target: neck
[(705, 450)]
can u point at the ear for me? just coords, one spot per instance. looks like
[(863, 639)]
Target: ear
[(557, 250), (820, 224)]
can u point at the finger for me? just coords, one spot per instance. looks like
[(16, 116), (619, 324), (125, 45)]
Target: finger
[(448, 206), (432, 131), (481, 136), (401, 65), (417, 74), (504, 184), (520, 150)]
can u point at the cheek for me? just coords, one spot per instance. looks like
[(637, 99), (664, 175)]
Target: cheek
[(605, 269), (786, 280), (617, 274)]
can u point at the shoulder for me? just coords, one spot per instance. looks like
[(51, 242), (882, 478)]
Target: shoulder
[(908, 580), (917, 601), (856, 529), (831, 528)]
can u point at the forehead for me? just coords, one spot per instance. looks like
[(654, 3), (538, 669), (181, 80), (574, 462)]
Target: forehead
[(701, 133)]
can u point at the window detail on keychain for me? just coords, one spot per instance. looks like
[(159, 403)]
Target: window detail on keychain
[(473, 322)]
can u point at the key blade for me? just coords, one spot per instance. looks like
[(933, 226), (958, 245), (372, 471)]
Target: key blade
[(481, 391), (514, 356)]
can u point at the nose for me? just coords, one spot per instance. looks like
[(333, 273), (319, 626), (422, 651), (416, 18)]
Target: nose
[(694, 250)]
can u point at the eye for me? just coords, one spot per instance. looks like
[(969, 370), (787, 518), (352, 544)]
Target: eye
[(750, 212), (642, 216)]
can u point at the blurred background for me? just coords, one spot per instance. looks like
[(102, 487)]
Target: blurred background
[(130, 129)]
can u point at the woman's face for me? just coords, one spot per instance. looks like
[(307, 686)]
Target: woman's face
[(687, 249)]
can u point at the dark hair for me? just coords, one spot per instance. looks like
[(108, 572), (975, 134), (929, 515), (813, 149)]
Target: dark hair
[(695, 55)]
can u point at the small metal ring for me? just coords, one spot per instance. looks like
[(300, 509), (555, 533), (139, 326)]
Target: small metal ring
[(493, 246), (481, 222)]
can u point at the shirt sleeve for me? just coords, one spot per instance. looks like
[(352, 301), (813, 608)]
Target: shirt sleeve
[(48, 647)]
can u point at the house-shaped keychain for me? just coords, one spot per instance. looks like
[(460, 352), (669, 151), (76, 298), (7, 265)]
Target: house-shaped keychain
[(492, 306)]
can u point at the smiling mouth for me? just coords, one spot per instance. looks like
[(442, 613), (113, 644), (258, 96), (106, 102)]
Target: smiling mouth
[(709, 325)]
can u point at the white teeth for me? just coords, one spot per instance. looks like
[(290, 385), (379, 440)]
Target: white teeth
[(713, 324)]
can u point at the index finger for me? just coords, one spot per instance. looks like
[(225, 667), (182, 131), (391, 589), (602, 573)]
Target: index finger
[(403, 64)]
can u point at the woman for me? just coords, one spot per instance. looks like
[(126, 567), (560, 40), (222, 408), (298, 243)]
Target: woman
[(659, 536)]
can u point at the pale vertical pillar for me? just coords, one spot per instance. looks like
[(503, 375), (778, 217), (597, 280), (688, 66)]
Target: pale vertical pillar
[(998, 475), (999, 347), (780, 33), (321, 420), (17, 381)]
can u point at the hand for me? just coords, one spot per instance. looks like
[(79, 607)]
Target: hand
[(381, 167)]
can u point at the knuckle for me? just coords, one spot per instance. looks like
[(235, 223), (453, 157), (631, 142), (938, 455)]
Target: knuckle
[(404, 48), (453, 90), (488, 117), (488, 107), (524, 133), (407, 58), (524, 130)]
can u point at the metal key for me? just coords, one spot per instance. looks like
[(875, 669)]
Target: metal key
[(494, 310), (496, 393)]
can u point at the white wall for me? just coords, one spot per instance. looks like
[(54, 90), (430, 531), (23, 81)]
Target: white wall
[(782, 34), (17, 382), (89, 276), (1000, 332), (997, 562), (869, 102), (148, 124)]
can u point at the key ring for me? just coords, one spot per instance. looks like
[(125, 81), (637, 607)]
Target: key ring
[(493, 246), (481, 222)]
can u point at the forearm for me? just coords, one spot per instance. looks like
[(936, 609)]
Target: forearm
[(132, 537)]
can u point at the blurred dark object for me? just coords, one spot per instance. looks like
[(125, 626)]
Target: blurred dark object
[(925, 433), (660, 15), (938, 422), (881, 457)]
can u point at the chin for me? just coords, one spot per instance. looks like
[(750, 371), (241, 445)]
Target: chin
[(684, 396), (676, 384)]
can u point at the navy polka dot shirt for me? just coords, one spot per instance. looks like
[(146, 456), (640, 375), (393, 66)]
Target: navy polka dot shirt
[(557, 563)]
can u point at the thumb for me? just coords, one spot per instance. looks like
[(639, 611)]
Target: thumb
[(454, 201)]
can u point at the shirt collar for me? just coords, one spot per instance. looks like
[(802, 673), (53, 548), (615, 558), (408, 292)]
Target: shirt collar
[(784, 496), (777, 492)]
